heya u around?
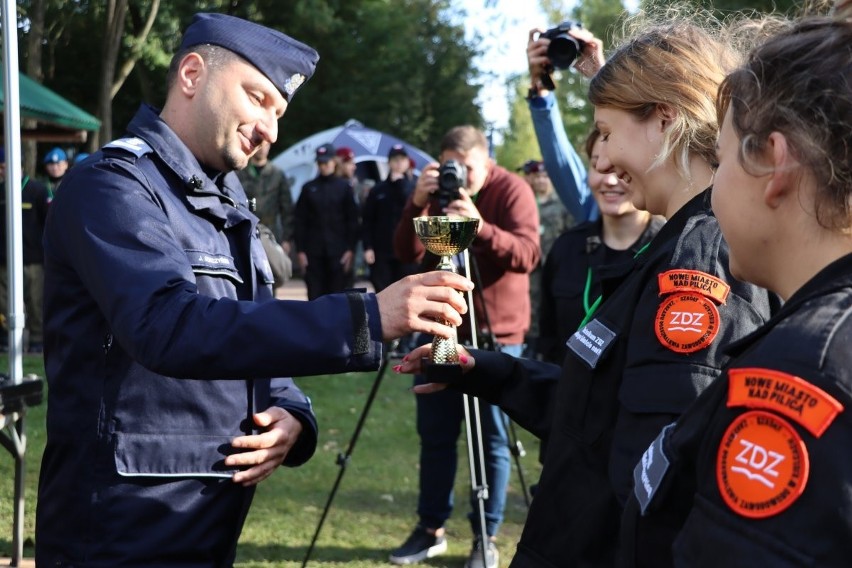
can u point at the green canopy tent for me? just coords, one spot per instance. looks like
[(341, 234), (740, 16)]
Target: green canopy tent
[(58, 119)]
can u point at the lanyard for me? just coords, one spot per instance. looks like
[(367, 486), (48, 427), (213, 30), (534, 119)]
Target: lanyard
[(590, 310)]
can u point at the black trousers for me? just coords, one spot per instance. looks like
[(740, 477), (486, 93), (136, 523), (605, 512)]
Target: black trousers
[(324, 275)]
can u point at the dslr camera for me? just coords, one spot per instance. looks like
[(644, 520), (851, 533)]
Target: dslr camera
[(452, 176), (563, 49)]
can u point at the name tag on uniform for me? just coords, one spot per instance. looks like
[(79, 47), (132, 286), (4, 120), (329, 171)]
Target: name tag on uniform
[(649, 472), (591, 341)]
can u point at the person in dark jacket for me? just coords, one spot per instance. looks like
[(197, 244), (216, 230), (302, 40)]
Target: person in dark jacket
[(381, 213), (657, 338), (165, 351), (757, 471), (571, 273), (326, 228), (35, 199)]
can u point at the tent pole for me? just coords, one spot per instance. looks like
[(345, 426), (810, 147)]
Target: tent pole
[(14, 252)]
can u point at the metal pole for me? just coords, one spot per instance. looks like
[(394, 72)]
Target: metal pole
[(14, 253), (474, 434)]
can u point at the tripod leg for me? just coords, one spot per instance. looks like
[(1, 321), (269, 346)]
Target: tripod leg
[(478, 483), (516, 448), (343, 459)]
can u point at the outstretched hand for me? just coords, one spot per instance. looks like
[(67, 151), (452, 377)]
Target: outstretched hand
[(423, 302), (413, 364)]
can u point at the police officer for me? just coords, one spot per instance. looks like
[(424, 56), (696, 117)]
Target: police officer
[(162, 340), (656, 338), (757, 472), (326, 228)]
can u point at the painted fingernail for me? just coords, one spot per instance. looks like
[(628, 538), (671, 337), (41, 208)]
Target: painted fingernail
[(397, 368), (463, 359)]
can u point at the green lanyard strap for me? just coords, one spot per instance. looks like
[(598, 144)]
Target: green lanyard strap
[(590, 310)]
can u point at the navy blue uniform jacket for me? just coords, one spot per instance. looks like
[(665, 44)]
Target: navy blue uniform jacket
[(161, 340), (791, 369), (599, 421)]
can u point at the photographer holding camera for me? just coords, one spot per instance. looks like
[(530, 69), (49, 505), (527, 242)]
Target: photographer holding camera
[(505, 251), (558, 48)]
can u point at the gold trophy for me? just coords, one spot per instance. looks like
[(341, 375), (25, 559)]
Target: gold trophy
[(445, 236)]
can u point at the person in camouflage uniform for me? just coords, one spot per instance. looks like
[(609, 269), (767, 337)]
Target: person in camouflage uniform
[(554, 218), (268, 186)]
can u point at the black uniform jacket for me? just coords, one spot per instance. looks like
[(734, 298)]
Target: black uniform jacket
[(758, 472), (326, 217), (564, 281), (599, 420)]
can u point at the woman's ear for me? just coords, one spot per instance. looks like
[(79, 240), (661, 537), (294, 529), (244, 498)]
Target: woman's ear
[(666, 114), (785, 170)]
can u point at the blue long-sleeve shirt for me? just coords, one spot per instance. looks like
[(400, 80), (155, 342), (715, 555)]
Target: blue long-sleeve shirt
[(564, 166)]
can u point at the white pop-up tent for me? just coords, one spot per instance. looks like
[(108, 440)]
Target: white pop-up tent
[(370, 147)]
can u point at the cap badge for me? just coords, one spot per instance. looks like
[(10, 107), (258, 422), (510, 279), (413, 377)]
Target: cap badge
[(293, 83)]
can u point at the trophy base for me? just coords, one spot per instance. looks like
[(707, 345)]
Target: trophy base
[(440, 372)]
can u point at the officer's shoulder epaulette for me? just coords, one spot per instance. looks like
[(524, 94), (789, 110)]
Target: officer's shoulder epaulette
[(132, 145)]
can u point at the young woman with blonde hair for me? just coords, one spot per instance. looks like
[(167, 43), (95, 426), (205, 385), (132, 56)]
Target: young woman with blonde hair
[(656, 339)]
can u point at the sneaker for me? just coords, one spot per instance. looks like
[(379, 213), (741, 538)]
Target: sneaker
[(492, 556), (419, 546)]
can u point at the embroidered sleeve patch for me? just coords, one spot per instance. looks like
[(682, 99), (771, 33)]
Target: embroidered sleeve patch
[(762, 465), (686, 323), (693, 281), (785, 394)]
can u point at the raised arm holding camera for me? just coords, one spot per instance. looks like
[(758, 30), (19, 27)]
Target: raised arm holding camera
[(505, 251)]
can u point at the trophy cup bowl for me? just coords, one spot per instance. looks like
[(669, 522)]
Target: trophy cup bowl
[(445, 236)]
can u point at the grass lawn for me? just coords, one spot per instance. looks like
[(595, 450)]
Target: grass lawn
[(374, 509)]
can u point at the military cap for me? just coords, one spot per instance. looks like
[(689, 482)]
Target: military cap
[(55, 155), (345, 153), (397, 150), (532, 167), (325, 153), (285, 61)]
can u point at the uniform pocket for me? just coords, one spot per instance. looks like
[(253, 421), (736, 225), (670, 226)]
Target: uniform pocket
[(172, 455), (213, 264), (714, 537), (650, 397)]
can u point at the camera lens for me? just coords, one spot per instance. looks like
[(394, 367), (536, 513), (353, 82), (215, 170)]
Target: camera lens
[(563, 50)]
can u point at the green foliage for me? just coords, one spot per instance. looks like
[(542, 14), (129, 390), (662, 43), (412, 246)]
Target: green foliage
[(519, 142), (411, 76), (374, 509)]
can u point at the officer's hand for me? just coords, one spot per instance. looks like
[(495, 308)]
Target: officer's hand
[(464, 206), (346, 261), (268, 449), (412, 363), (369, 256), (303, 261), (422, 302), (427, 183)]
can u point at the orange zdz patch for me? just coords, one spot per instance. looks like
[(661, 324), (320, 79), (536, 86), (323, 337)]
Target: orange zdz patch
[(686, 322), (786, 394), (693, 281), (762, 466)]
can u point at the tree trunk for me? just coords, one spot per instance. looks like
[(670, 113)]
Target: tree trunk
[(35, 40), (115, 13)]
